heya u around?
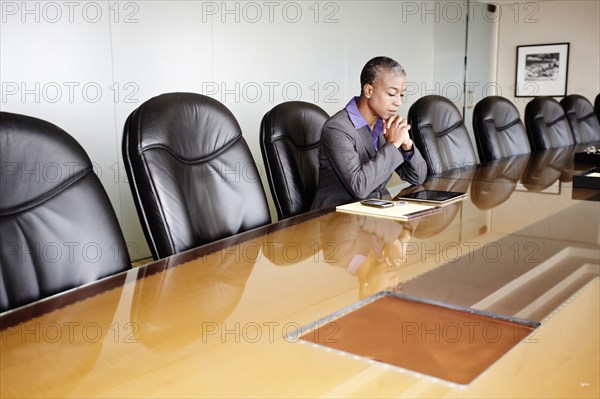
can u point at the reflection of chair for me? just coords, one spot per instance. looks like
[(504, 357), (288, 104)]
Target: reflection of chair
[(191, 173), (289, 141), (440, 135), (546, 124), (293, 244), (583, 122), (494, 182), (544, 168), (210, 286), (66, 338), (57, 225), (499, 132)]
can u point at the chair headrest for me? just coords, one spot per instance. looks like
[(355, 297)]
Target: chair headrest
[(546, 108), (499, 110), (297, 121), (176, 122), (577, 104), (445, 118), (39, 160)]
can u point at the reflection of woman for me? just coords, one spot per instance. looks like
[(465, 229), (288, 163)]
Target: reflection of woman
[(363, 144), (380, 268), (372, 249)]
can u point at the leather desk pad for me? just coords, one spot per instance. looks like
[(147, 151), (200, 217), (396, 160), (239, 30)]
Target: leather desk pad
[(446, 343)]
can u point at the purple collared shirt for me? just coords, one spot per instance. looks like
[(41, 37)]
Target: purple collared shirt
[(358, 120)]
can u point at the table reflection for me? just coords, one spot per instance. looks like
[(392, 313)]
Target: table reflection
[(434, 224), (372, 249), (494, 182), (293, 244), (547, 167), (184, 303)]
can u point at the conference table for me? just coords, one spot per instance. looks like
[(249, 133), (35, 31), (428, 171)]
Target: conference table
[(496, 295)]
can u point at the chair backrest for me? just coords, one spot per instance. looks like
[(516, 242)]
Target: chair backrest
[(546, 124), (440, 135), (597, 107), (581, 118), (57, 226), (289, 141), (191, 173), (499, 131)]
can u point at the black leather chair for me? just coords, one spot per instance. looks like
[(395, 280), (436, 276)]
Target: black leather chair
[(191, 172), (439, 133), (597, 107), (546, 124), (499, 131), (581, 118), (289, 142), (57, 226)]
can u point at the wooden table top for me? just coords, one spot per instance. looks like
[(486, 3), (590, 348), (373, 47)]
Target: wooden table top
[(219, 320)]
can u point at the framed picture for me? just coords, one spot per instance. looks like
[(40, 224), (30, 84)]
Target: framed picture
[(542, 70)]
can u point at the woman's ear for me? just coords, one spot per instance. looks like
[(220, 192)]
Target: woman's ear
[(368, 90)]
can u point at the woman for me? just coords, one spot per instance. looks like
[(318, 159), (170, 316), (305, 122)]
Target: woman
[(364, 143)]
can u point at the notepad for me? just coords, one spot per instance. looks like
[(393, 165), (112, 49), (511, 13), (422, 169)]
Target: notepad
[(402, 211)]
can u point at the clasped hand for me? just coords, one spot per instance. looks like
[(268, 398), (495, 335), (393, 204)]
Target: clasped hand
[(395, 130)]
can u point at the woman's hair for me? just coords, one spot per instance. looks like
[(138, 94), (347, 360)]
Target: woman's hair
[(376, 66)]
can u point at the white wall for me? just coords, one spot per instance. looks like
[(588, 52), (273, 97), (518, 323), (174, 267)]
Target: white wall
[(86, 66), (544, 22)]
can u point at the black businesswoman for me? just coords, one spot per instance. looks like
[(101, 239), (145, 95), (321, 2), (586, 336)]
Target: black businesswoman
[(364, 143)]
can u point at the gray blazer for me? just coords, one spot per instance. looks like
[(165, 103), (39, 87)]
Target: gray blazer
[(350, 169)]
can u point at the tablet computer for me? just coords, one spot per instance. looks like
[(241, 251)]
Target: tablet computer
[(434, 197)]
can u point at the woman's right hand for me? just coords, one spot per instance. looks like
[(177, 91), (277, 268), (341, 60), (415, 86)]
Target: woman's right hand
[(395, 131)]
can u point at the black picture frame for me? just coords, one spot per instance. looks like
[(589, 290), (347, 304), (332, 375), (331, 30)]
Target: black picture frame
[(542, 70)]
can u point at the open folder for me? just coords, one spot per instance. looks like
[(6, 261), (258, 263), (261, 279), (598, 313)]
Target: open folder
[(401, 211)]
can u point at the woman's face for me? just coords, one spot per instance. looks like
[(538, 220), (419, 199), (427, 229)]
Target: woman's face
[(384, 96)]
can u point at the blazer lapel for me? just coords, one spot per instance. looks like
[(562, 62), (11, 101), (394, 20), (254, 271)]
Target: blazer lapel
[(365, 137), (381, 141)]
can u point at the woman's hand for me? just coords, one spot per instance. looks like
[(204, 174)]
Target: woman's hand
[(395, 130)]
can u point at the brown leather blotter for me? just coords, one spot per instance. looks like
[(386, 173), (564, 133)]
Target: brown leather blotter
[(445, 343)]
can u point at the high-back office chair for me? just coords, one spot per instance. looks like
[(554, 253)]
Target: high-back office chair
[(499, 131), (57, 225), (546, 124), (581, 118), (191, 173), (289, 142), (440, 135)]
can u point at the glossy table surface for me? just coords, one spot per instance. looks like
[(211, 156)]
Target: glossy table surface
[(218, 321)]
